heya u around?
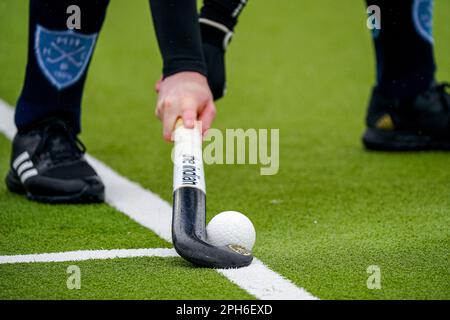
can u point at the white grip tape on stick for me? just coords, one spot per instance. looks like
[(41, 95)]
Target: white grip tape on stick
[(188, 162)]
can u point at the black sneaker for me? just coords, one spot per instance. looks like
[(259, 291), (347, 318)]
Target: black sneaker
[(422, 123), (48, 165)]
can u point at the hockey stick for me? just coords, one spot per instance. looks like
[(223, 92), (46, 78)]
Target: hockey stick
[(189, 207)]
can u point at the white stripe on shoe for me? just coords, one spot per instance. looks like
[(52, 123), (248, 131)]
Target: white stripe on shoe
[(24, 166), (28, 174), (21, 158)]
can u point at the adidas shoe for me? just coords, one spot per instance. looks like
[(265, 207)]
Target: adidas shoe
[(48, 165), (422, 123)]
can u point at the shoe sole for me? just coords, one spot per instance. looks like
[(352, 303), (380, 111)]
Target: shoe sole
[(87, 195), (403, 141)]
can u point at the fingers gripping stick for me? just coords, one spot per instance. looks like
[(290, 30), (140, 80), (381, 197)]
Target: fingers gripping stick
[(189, 207)]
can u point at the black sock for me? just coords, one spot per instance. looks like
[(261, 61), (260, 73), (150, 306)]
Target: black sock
[(404, 47), (58, 59)]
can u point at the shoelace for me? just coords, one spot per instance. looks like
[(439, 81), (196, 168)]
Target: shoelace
[(60, 143)]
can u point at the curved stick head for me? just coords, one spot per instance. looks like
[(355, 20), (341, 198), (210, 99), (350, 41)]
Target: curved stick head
[(189, 235)]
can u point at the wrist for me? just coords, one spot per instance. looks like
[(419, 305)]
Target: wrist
[(187, 77), (181, 66)]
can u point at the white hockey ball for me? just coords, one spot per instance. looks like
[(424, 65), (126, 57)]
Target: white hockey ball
[(231, 228)]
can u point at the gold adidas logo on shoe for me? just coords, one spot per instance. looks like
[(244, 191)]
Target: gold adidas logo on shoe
[(385, 123)]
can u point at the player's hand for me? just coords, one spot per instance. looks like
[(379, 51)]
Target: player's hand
[(186, 95)]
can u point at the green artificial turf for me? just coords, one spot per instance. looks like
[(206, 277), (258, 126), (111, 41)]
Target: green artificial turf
[(138, 278), (332, 210)]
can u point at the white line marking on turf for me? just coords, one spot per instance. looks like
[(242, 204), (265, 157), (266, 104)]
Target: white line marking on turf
[(265, 284), (149, 210), (82, 255)]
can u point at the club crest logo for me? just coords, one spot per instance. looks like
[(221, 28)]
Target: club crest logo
[(423, 18), (63, 55)]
